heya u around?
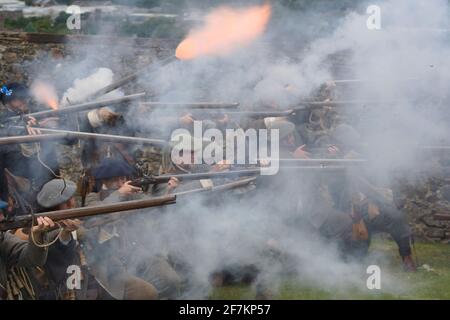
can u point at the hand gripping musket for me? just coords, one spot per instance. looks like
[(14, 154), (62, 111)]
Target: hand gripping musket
[(79, 107), (56, 134), (25, 221)]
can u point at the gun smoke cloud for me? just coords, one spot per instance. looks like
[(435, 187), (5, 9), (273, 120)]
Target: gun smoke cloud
[(255, 70)]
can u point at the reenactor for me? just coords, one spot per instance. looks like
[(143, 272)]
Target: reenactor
[(117, 243), (49, 281), (36, 162), (16, 253)]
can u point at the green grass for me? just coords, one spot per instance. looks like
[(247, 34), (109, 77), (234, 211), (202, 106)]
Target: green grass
[(433, 284)]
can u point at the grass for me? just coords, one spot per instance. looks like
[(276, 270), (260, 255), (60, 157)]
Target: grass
[(426, 283)]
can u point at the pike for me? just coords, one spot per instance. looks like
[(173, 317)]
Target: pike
[(26, 220), (55, 134), (79, 107)]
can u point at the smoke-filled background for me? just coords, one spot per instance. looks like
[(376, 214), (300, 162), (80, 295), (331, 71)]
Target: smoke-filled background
[(405, 67)]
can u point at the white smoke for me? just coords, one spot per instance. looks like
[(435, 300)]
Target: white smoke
[(410, 113), (82, 89)]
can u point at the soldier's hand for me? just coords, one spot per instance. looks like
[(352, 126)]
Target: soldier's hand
[(128, 189), (31, 121), (43, 224), (32, 131), (68, 225), (172, 184), (108, 116), (333, 150), (187, 119), (300, 153), (221, 166), (51, 123), (264, 163)]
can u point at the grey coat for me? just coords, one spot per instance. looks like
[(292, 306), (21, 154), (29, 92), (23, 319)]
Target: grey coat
[(18, 253)]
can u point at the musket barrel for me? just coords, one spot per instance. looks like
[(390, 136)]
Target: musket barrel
[(222, 187), (30, 139), (254, 114), (442, 216), (191, 105), (81, 107), (207, 175), (345, 81), (322, 161), (25, 221), (87, 135)]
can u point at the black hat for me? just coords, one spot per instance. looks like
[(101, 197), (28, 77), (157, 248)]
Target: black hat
[(110, 168), (18, 91)]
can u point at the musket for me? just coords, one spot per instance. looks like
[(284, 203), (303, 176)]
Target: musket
[(79, 107), (29, 139), (146, 180), (26, 220), (131, 77), (350, 81), (321, 162), (222, 187), (150, 179), (300, 106), (441, 216), (191, 105), (55, 134)]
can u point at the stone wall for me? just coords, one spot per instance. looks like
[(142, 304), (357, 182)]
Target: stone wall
[(19, 51)]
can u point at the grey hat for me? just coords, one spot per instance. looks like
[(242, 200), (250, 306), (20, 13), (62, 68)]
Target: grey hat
[(56, 192)]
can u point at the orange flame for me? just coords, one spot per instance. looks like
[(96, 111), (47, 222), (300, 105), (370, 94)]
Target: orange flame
[(225, 29), (45, 93)]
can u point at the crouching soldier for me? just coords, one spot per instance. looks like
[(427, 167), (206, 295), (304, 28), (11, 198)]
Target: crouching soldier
[(111, 245), (49, 282)]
